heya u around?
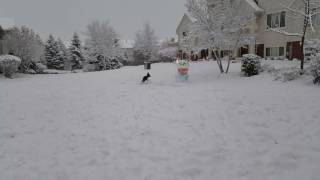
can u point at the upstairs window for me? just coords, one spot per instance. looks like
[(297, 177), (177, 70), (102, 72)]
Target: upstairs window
[(184, 34), (316, 20), (276, 20)]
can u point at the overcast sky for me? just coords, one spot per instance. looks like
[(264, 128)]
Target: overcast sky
[(63, 17)]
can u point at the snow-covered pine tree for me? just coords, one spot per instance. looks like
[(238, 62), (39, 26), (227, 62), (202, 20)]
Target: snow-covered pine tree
[(145, 47), (62, 53), (75, 52), (52, 54)]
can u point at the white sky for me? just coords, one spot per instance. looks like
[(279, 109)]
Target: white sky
[(62, 17)]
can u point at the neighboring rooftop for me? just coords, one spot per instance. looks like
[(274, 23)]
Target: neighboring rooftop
[(126, 44)]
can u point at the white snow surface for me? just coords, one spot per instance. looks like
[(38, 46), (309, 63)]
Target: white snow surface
[(108, 126)]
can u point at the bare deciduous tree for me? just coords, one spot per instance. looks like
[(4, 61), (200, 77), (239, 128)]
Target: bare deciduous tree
[(220, 26)]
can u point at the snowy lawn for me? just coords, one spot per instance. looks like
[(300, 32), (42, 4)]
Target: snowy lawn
[(107, 126)]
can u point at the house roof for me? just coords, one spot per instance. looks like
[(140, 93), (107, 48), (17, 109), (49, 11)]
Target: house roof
[(126, 44), (186, 16), (255, 6)]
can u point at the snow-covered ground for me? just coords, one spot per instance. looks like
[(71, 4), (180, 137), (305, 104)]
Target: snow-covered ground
[(107, 126)]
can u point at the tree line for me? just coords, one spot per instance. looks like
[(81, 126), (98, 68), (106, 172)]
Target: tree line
[(100, 49)]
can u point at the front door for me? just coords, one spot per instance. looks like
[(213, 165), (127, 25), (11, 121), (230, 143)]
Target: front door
[(244, 50), (260, 50), (293, 50)]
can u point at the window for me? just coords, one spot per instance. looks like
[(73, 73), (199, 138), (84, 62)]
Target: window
[(275, 51), (184, 34), (316, 20), (276, 20)]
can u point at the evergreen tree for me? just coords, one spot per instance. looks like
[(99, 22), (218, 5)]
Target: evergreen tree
[(76, 58), (52, 54), (62, 53)]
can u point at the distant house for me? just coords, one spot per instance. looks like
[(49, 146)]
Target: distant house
[(275, 30), (127, 49), (272, 19)]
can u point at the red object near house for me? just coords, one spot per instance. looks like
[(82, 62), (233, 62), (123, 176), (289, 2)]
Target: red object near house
[(294, 50)]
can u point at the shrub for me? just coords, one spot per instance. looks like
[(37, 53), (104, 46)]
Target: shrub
[(101, 63), (168, 54), (90, 68), (315, 68), (9, 65), (251, 65), (287, 74)]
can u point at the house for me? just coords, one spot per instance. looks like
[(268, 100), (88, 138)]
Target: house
[(127, 49), (182, 31), (286, 42), (276, 30)]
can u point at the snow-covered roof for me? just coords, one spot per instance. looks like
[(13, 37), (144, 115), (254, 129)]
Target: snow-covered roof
[(126, 44), (255, 6), (190, 17), (185, 16)]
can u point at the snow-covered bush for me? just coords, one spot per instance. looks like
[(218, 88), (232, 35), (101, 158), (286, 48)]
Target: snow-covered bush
[(9, 65), (315, 68), (90, 68), (287, 74), (37, 68), (251, 65), (24, 43), (101, 63), (168, 54)]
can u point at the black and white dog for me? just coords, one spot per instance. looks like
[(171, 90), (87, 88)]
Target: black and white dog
[(146, 78)]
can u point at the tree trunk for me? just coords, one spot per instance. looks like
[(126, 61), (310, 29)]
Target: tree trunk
[(229, 61), (219, 62), (306, 22)]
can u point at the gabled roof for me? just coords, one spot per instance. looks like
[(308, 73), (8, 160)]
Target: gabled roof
[(192, 19), (126, 44), (255, 6), (188, 17)]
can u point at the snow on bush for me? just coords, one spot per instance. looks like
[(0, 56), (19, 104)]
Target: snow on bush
[(167, 54), (101, 63), (251, 65), (287, 74), (315, 68), (9, 64)]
